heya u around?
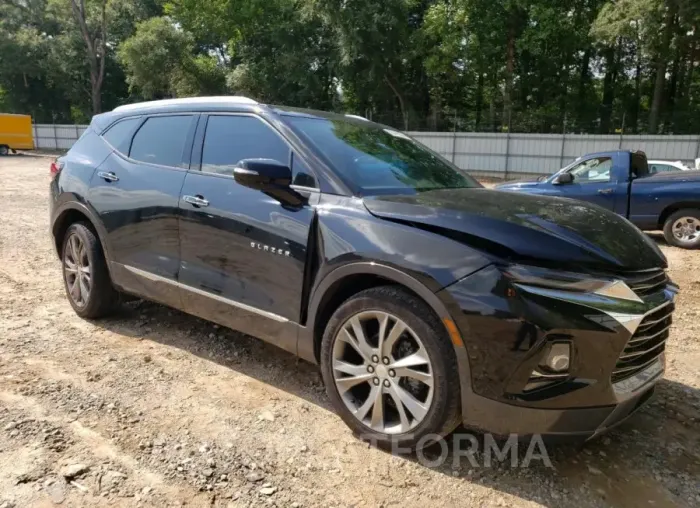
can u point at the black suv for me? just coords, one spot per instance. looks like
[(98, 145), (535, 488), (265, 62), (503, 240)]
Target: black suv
[(426, 299)]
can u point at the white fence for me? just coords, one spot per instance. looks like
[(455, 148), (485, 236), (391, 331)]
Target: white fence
[(499, 155), (56, 137), (515, 155)]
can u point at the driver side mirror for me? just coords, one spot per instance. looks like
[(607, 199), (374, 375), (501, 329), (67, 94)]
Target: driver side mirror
[(269, 176), (563, 179), (262, 174)]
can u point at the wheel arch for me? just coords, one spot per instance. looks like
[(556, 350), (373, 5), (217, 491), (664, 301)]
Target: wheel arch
[(70, 213), (348, 280), (674, 207)]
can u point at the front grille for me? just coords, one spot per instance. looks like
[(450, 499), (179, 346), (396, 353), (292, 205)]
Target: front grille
[(647, 282), (647, 343)]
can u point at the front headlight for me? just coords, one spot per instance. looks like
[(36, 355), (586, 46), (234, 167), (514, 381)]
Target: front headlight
[(612, 297), (535, 276)]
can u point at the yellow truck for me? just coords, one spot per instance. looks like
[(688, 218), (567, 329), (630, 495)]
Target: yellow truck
[(15, 133)]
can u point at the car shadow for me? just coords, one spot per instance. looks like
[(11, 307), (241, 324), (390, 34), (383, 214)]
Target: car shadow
[(657, 236), (234, 350), (649, 460)]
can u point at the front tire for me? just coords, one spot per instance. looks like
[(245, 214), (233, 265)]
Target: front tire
[(85, 275), (390, 370), (682, 228), (4, 150)]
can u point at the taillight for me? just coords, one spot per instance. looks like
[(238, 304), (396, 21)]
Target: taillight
[(55, 168)]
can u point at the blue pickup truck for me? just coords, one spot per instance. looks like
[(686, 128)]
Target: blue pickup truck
[(620, 181)]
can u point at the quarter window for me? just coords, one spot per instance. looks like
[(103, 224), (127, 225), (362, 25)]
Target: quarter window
[(119, 134), (161, 140)]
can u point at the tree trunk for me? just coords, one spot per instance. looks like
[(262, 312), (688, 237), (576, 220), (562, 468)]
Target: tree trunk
[(583, 80), (672, 92), (634, 117), (661, 68), (401, 102), (96, 47), (479, 98), (694, 55), (608, 90), (510, 68), (492, 103)]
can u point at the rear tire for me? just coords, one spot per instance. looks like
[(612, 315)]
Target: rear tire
[(4, 150), (85, 275), (682, 228), (381, 399)]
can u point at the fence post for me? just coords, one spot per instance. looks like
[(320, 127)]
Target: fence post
[(563, 143), (36, 136), (76, 132), (510, 117), (505, 176), (454, 139), (622, 131), (55, 136), (697, 150)]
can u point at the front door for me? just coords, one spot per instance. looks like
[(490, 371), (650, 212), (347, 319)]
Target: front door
[(593, 182), (136, 191), (243, 253)]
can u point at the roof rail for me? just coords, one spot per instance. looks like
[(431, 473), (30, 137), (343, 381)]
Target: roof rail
[(357, 116), (223, 99)]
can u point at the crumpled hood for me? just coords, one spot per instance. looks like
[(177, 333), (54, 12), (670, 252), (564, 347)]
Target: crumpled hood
[(556, 231)]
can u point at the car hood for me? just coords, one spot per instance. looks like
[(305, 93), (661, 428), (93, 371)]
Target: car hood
[(524, 227), (517, 184)]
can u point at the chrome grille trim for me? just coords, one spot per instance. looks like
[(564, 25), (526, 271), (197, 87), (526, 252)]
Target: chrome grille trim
[(643, 349)]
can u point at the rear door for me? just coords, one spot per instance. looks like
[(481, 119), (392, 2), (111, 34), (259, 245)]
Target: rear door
[(243, 252), (135, 191)]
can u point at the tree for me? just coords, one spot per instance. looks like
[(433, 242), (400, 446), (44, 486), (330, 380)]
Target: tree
[(94, 34), (154, 57)]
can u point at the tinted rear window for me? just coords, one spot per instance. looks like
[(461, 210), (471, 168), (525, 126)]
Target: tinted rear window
[(119, 134), (161, 140)]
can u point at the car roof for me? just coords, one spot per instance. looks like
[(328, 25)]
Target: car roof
[(217, 103)]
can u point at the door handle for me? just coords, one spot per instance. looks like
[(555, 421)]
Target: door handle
[(109, 176), (605, 191), (196, 201)]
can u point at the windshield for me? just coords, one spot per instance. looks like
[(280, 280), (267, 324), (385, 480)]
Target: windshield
[(379, 160)]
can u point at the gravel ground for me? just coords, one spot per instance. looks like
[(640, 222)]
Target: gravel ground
[(156, 408)]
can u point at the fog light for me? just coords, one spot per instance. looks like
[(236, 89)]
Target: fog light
[(557, 357)]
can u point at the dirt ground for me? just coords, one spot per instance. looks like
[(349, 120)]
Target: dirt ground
[(156, 408)]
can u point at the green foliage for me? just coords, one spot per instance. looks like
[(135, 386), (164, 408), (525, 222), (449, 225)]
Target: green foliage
[(534, 66)]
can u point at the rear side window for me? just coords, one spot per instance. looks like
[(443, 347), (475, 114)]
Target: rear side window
[(161, 140), (119, 134)]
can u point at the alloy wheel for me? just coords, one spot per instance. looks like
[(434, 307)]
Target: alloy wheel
[(686, 229), (382, 372), (76, 267)]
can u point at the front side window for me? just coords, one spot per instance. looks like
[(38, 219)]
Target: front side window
[(161, 140), (379, 160), (593, 170)]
